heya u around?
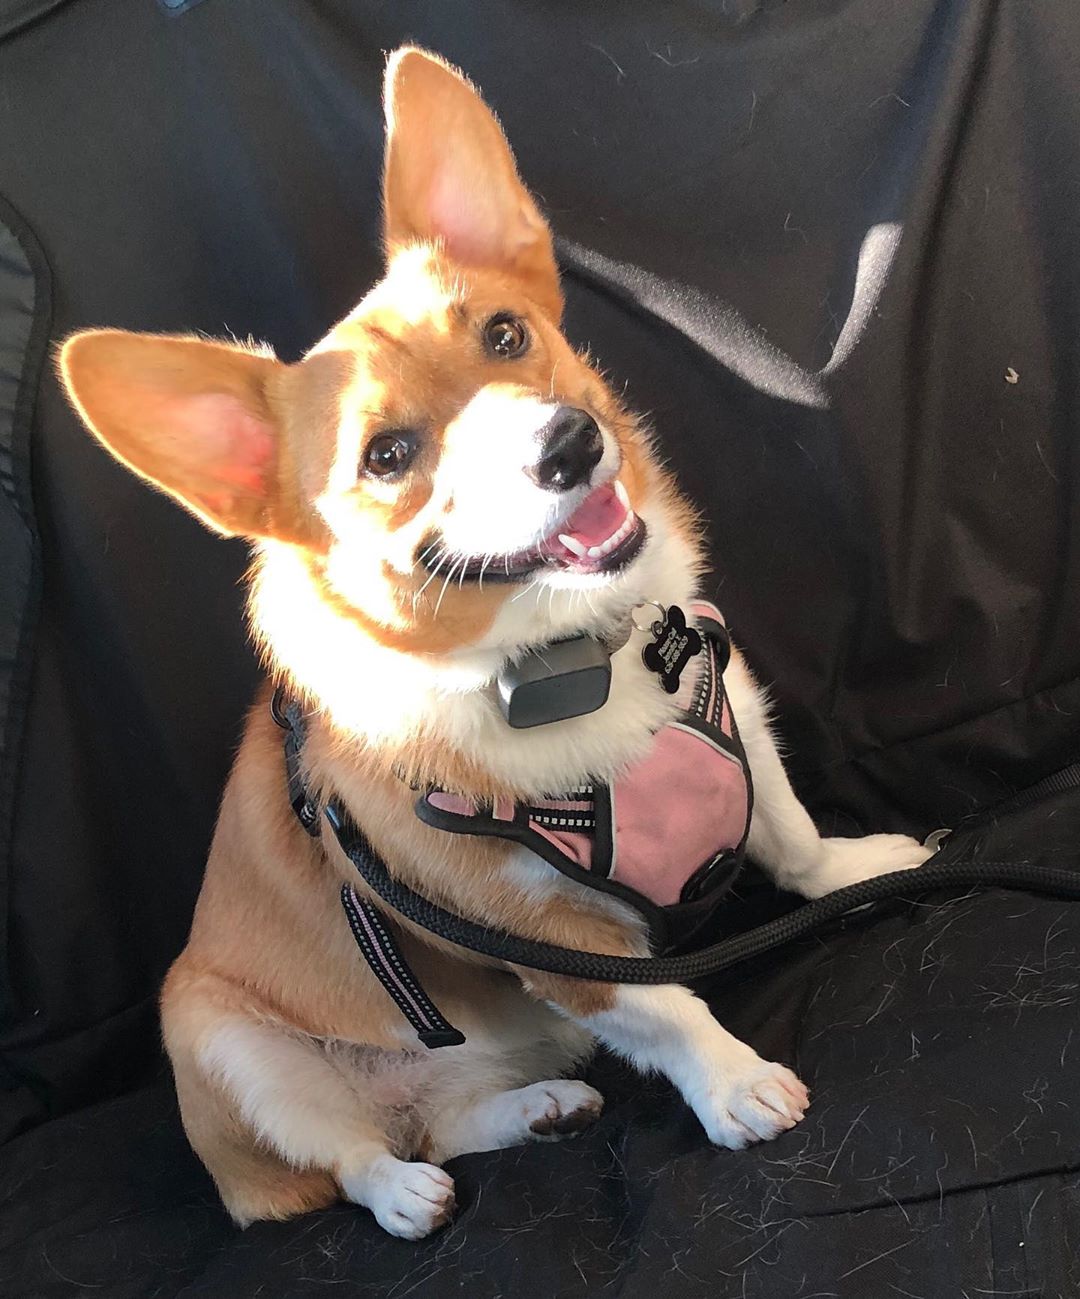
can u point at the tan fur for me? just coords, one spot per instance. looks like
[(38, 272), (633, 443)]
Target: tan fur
[(437, 123)]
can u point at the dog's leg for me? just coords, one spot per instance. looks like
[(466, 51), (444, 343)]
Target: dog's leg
[(541, 1111), (299, 1104), (783, 838), (739, 1097)]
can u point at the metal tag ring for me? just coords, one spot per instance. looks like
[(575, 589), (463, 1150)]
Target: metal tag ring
[(656, 623)]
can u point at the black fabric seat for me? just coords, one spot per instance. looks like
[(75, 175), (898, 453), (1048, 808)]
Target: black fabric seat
[(830, 247)]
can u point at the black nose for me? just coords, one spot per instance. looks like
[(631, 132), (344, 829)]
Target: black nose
[(571, 448)]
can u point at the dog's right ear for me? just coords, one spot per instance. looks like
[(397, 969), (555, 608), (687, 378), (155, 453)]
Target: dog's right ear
[(190, 416), (450, 178)]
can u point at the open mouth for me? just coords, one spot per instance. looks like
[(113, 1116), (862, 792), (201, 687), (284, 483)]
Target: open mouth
[(601, 536)]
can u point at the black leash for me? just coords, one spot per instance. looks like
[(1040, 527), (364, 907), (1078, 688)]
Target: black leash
[(380, 949), (515, 950), (1058, 782)]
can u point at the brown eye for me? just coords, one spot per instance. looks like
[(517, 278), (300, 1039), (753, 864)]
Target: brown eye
[(389, 453), (505, 336)]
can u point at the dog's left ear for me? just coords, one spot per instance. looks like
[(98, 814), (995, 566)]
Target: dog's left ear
[(189, 416), (450, 177)]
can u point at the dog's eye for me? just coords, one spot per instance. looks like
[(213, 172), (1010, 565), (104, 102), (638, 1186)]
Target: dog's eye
[(505, 336), (389, 453)]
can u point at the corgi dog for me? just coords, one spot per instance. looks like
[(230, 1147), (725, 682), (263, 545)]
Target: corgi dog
[(440, 487)]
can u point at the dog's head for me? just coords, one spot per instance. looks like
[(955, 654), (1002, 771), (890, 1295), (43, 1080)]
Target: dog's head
[(444, 468)]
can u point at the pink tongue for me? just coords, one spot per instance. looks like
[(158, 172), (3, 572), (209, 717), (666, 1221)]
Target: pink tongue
[(599, 516)]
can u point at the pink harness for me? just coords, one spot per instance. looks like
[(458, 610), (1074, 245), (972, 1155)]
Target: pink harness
[(669, 836)]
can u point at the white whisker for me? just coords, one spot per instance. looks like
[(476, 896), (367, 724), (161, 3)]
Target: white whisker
[(431, 576), (446, 582), (483, 565), (424, 554)]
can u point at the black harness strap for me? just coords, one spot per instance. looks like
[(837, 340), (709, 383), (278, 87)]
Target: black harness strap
[(288, 716), (382, 953), (373, 936)]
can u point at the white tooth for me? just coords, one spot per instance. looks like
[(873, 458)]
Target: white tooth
[(609, 545), (595, 552), (574, 546), (620, 492)]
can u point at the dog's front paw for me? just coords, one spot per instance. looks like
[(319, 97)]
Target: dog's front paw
[(560, 1108), (756, 1103), (408, 1200), (850, 861)]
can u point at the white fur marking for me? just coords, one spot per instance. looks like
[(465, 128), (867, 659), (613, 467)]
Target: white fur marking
[(408, 1200), (511, 1117), (783, 838), (738, 1097), (338, 662)]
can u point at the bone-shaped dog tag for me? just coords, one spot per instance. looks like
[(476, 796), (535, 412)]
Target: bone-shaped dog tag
[(673, 645)]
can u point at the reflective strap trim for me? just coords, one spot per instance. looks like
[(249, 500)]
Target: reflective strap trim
[(379, 948)]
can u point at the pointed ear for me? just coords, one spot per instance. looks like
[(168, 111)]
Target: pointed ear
[(450, 176), (187, 415)]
